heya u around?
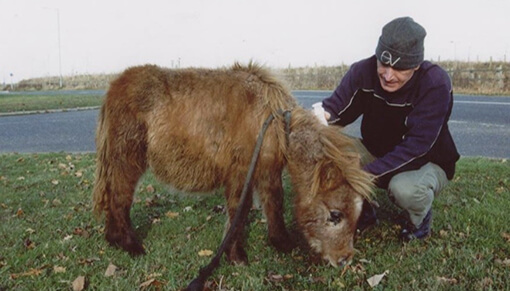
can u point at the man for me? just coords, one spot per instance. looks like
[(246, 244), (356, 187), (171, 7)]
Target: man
[(405, 103)]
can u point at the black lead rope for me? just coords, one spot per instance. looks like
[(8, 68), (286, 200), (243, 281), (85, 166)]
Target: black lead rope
[(198, 283)]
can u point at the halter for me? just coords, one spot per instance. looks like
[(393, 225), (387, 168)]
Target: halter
[(241, 212)]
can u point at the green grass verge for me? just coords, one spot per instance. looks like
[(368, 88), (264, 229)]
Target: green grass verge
[(48, 237), (33, 102)]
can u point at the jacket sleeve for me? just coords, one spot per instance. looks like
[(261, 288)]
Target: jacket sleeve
[(424, 125), (341, 103)]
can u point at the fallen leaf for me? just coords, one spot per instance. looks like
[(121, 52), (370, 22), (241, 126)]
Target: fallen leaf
[(29, 244), (110, 271), (19, 213), (20, 178), (205, 253), (68, 237), (451, 281), (56, 202), (31, 272), (88, 261), (146, 283), (78, 174), (153, 283), (172, 214), (187, 209), (81, 232), (79, 283), (275, 278), (68, 158), (506, 236), (505, 262), (54, 182), (59, 269), (288, 276), (150, 189), (376, 279)]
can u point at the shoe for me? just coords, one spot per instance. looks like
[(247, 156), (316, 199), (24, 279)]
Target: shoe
[(367, 217), (410, 232)]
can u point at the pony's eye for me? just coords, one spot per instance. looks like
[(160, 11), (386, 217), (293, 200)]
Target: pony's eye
[(335, 216)]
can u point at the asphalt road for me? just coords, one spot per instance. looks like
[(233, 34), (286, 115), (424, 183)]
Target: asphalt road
[(480, 126)]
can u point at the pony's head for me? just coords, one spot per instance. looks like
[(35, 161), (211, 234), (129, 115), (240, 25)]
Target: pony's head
[(330, 186)]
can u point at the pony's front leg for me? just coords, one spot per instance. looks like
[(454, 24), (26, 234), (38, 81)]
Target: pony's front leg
[(235, 250), (270, 191)]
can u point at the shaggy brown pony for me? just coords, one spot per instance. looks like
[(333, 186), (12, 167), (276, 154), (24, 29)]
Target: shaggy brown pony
[(196, 129)]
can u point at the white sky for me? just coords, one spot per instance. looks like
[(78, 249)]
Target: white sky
[(106, 36)]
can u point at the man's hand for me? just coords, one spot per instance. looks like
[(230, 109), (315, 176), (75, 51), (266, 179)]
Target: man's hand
[(319, 112)]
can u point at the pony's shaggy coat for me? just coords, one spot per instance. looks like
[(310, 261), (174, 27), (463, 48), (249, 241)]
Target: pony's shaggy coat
[(196, 129)]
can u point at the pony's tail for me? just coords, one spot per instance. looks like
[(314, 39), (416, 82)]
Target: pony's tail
[(100, 192)]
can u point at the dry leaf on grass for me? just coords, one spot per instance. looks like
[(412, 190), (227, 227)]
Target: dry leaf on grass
[(451, 281), (110, 270), (79, 283), (376, 279), (59, 269), (279, 278), (505, 262), (150, 189), (205, 253), (506, 236), (172, 214), (31, 272)]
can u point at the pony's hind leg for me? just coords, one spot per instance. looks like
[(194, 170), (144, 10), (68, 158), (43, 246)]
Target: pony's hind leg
[(121, 162), (271, 197), (118, 230)]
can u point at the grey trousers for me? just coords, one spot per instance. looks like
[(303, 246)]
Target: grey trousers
[(413, 191)]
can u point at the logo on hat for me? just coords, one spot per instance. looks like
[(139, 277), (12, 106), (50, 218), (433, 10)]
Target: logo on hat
[(387, 58)]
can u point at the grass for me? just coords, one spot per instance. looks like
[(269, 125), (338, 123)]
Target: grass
[(42, 102), (49, 238)]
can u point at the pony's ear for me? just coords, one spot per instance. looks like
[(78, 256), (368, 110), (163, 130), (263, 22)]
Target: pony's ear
[(330, 177)]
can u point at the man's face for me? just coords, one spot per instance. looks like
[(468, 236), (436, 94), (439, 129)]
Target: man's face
[(392, 79)]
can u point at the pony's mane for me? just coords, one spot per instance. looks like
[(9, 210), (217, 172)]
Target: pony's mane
[(334, 147), (340, 149)]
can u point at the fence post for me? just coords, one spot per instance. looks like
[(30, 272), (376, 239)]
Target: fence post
[(500, 77)]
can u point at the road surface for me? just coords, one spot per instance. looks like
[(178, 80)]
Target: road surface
[(480, 126)]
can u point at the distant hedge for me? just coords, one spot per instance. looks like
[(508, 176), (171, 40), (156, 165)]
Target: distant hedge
[(482, 78)]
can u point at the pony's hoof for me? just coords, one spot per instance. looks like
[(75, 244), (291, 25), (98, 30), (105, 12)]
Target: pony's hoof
[(237, 256), (129, 243)]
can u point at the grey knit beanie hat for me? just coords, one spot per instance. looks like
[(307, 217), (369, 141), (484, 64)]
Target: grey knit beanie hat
[(401, 44)]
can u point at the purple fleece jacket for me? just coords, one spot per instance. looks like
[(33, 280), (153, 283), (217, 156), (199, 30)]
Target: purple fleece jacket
[(403, 129)]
